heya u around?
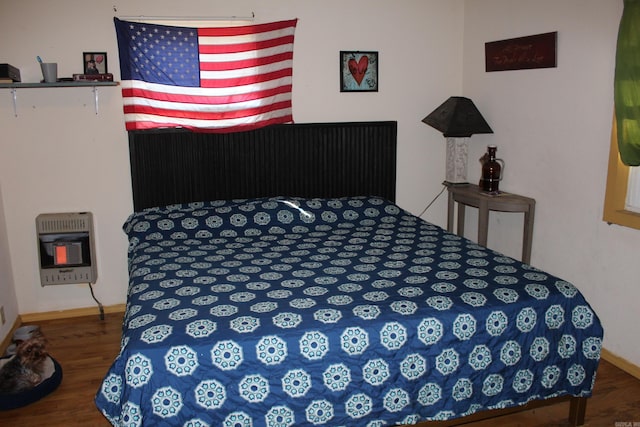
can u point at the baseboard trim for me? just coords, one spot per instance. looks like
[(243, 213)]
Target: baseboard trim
[(621, 363), (65, 314)]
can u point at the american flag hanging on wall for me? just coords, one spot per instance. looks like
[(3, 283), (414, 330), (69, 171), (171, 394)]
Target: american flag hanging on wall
[(206, 79)]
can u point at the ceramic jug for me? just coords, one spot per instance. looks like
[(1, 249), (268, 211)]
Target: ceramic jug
[(492, 170)]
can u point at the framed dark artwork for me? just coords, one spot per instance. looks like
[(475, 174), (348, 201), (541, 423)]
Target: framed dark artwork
[(358, 71), (94, 62), (521, 53)]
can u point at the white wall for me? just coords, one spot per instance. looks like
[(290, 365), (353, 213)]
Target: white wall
[(59, 156), (8, 299), (552, 127)]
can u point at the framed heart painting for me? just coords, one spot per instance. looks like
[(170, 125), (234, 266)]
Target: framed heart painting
[(358, 71)]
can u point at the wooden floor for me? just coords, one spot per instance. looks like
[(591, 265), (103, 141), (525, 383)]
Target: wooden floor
[(86, 346)]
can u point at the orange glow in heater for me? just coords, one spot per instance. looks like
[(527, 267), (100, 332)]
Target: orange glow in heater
[(60, 254)]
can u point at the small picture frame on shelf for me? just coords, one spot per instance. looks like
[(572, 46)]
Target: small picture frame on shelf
[(94, 63), (358, 71)]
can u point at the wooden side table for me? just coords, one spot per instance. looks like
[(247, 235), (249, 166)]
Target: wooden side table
[(471, 195)]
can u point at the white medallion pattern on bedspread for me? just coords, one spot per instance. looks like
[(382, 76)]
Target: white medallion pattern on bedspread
[(282, 312)]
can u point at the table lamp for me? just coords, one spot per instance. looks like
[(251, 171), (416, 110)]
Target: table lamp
[(457, 118)]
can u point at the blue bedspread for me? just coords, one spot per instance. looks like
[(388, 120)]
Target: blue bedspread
[(353, 312)]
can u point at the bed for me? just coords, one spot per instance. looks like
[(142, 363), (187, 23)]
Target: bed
[(308, 297)]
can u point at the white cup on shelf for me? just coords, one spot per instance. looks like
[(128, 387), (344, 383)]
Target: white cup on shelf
[(49, 71)]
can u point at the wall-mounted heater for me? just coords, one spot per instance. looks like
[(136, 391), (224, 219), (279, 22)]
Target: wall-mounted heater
[(66, 247)]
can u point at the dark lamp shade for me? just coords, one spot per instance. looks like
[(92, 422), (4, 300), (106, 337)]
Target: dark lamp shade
[(457, 117)]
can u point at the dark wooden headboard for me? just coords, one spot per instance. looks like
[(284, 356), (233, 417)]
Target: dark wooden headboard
[(303, 160)]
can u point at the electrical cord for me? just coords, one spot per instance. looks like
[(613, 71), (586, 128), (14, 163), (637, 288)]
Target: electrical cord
[(97, 302), (444, 187)]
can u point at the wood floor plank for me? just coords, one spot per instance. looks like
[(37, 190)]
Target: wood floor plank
[(86, 346)]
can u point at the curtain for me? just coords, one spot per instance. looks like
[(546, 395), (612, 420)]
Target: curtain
[(627, 84)]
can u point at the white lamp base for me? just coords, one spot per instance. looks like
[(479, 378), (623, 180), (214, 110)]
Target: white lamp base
[(457, 154)]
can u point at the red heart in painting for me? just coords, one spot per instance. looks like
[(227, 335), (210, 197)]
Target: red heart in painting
[(358, 69)]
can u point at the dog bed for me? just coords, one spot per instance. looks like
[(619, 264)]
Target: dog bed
[(51, 381)]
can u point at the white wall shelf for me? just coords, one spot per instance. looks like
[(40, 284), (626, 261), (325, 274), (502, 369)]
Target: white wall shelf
[(15, 86)]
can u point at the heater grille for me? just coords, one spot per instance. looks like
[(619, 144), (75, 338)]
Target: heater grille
[(63, 223), (66, 248)]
